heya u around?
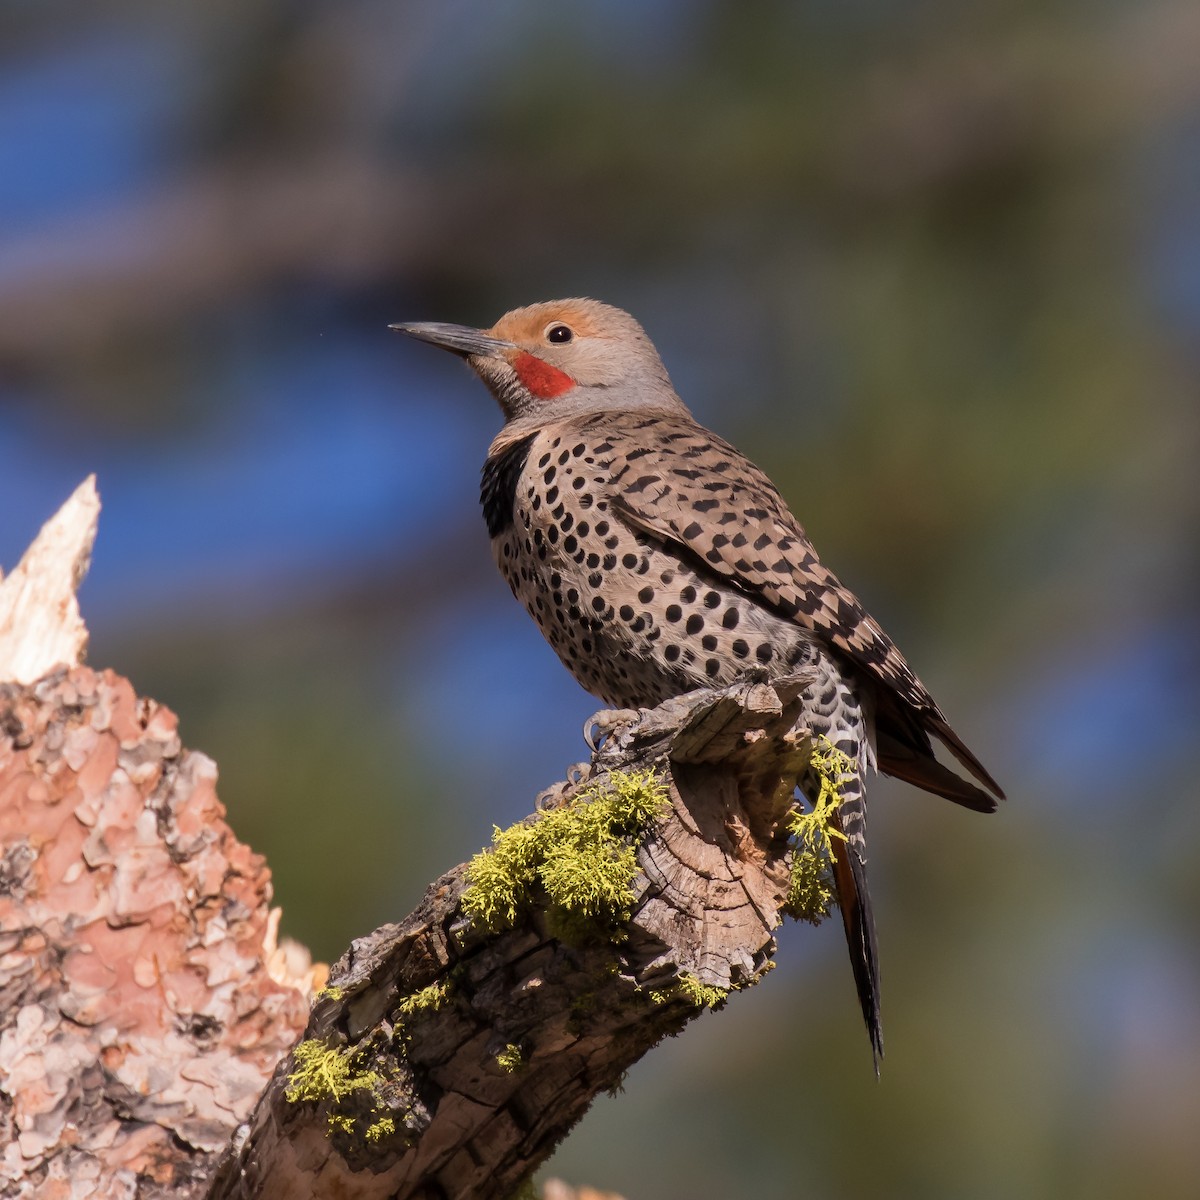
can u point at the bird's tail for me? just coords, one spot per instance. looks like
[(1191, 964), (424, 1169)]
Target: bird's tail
[(844, 748), (854, 900)]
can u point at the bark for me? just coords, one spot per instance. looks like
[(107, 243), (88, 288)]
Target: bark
[(571, 1019), (139, 1017), (147, 1013)]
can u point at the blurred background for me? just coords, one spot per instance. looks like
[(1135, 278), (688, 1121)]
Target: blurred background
[(935, 266)]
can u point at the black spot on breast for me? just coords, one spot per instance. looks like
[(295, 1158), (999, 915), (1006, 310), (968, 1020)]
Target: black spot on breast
[(498, 486)]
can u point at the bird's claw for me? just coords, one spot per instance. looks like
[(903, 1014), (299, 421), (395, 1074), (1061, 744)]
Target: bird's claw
[(559, 794), (602, 724)]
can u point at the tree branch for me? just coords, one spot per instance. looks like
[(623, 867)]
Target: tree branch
[(473, 1088)]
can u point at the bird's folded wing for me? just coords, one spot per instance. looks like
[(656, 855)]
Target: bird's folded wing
[(685, 487)]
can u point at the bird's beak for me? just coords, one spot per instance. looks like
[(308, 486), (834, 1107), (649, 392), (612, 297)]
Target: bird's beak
[(459, 339)]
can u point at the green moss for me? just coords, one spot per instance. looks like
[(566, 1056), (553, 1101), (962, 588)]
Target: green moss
[(810, 890), (510, 1059), (428, 999), (581, 857)]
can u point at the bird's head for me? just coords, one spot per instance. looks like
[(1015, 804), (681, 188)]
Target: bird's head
[(558, 357)]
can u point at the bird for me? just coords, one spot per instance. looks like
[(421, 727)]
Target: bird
[(657, 559)]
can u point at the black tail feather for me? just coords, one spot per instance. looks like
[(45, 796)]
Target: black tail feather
[(850, 879)]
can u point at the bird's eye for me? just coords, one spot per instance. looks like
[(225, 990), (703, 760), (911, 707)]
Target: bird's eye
[(559, 333)]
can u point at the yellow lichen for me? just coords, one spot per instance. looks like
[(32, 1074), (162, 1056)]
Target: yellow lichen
[(700, 994), (810, 891), (688, 987), (323, 1072), (380, 1129), (581, 856), (428, 999), (326, 1074), (526, 1190), (510, 1059)]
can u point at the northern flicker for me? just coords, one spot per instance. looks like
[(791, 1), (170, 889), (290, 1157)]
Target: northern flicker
[(657, 559)]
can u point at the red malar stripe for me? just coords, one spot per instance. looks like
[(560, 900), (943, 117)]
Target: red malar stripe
[(543, 380)]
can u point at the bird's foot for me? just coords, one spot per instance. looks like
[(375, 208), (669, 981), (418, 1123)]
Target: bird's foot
[(602, 725), (559, 794)]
